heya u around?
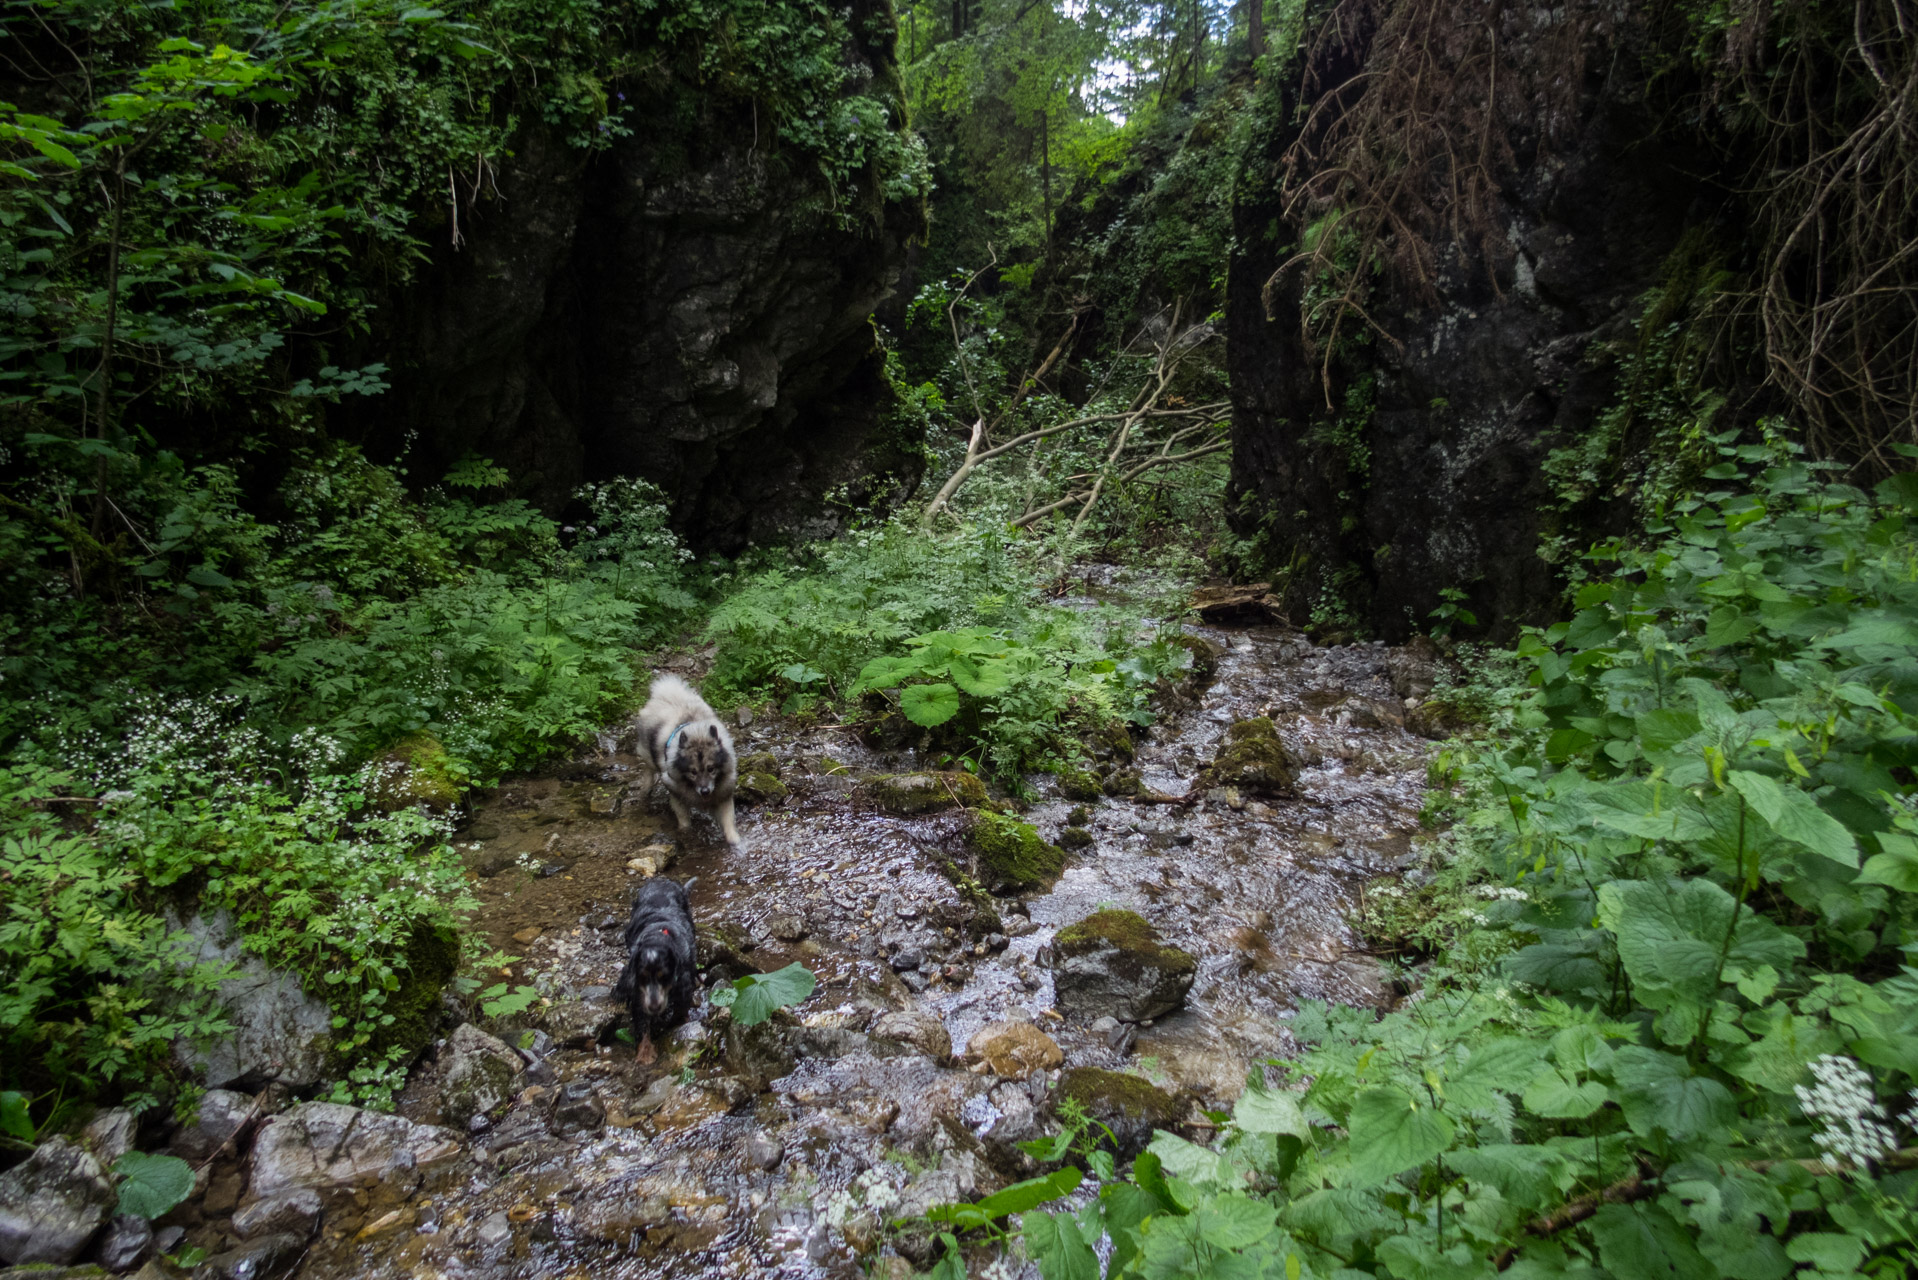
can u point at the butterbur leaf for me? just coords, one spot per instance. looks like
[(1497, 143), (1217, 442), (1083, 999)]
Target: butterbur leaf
[(929, 705), (981, 679), (884, 673), (150, 1184), (759, 994), (1795, 816), (1392, 1132)]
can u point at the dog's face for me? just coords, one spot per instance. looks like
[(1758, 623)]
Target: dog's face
[(701, 761), (653, 971)]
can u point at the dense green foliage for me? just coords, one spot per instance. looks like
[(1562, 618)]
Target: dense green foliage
[(1672, 978)]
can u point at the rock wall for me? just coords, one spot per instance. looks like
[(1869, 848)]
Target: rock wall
[(682, 306), (1427, 476)]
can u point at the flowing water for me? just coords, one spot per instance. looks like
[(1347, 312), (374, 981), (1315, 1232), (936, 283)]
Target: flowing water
[(709, 1164)]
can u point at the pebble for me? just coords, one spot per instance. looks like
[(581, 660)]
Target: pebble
[(910, 958), (763, 1151), (528, 935), (495, 1229)]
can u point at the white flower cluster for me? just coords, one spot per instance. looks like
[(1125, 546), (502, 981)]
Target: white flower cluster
[(1842, 1101), (871, 1190), (1001, 1268), (1505, 892)]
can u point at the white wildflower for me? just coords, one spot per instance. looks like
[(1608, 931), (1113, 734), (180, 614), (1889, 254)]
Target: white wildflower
[(1842, 1102), (1000, 1269), (1505, 892)]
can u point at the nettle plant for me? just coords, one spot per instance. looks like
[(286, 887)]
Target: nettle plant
[(1672, 1028)]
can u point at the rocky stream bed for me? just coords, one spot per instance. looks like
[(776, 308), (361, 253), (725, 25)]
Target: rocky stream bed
[(1208, 870)]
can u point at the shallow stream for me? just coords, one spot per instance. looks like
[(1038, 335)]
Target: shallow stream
[(714, 1164)]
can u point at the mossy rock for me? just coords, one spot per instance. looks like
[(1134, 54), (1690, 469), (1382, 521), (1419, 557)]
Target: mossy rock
[(1205, 658), (1079, 784), (417, 772), (759, 762), (1114, 964), (432, 959), (1132, 1107), (1011, 852), (759, 787), (907, 794), (1110, 740), (1253, 759), (1123, 784), (1440, 718), (1079, 816), (1074, 838)]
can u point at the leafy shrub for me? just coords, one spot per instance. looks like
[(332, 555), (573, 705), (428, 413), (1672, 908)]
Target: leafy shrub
[(1673, 1024)]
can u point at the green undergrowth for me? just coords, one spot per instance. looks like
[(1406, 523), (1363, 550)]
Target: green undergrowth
[(1669, 1022), (952, 639)]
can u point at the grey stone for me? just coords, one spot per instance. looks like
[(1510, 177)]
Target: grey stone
[(110, 1135), (477, 1072), (577, 1109), (295, 1212), (51, 1204), (908, 958), (786, 927), (1113, 964), (222, 1114), (279, 1031), (580, 1024), (915, 981), (166, 1238), (918, 1028), (763, 1151), (494, 1229), (126, 1242), (259, 1259), (324, 1144)]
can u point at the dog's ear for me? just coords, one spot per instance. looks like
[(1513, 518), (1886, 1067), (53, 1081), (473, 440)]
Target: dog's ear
[(714, 730)]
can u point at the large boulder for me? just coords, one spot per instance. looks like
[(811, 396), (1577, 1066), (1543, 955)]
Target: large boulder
[(323, 1145), (216, 1123), (917, 1028), (907, 794), (1014, 1050), (52, 1204), (1113, 964), (476, 1075), (1011, 854), (280, 1033)]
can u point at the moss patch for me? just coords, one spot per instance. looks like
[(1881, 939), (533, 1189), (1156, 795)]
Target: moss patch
[(1079, 784), (906, 794), (1013, 851), (1101, 1091), (418, 772), (759, 787), (1074, 838), (1126, 931), (1122, 784), (1252, 759), (759, 762)]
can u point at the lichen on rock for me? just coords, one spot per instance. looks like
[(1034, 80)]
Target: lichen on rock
[(1253, 759)]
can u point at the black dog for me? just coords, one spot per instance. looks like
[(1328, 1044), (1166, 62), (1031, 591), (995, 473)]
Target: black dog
[(657, 982)]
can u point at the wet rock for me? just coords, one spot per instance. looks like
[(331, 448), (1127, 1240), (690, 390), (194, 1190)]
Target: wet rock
[(910, 958), (1074, 838), (763, 1151), (1252, 604), (127, 1241), (1253, 759), (1132, 1107), (1123, 784), (1110, 741), (494, 1229), (260, 1259), (760, 762), (476, 1075), (917, 1028), (222, 1114), (759, 788), (961, 1176), (577, 1109), (51, 1204), (1414, 668), (1440, 718), (761, 1054), (222, 1193), (1112, 963), (906, 794), (581, 1024), (1018, 1119), (1079, 784), (1014, 1050), (1079, 816), (617, 1220), (1011, 853), (915, 981), (295, 1212), (279, 1031), (110, 1135), (786, 927), (324, 1144)]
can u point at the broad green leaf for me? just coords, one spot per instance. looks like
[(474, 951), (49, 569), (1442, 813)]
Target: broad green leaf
[(1896, 867), (1643, 1242), (1553, 1096), (1671, 934), (14, 1120), (152, 1184), (1269, 1111), (1795, 816), (1201, 1166), (1661, 1092), (1055, 1243), (1664, 729), (1392, 1132), (1827, 1251), (1233, 1221), (929, 705), (757, 995), (1017, 1198), (884, 673), (201, 576), (981, 679)]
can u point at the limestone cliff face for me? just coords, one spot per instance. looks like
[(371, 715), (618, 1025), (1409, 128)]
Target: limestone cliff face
[(684, 306), (1419, 467)]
